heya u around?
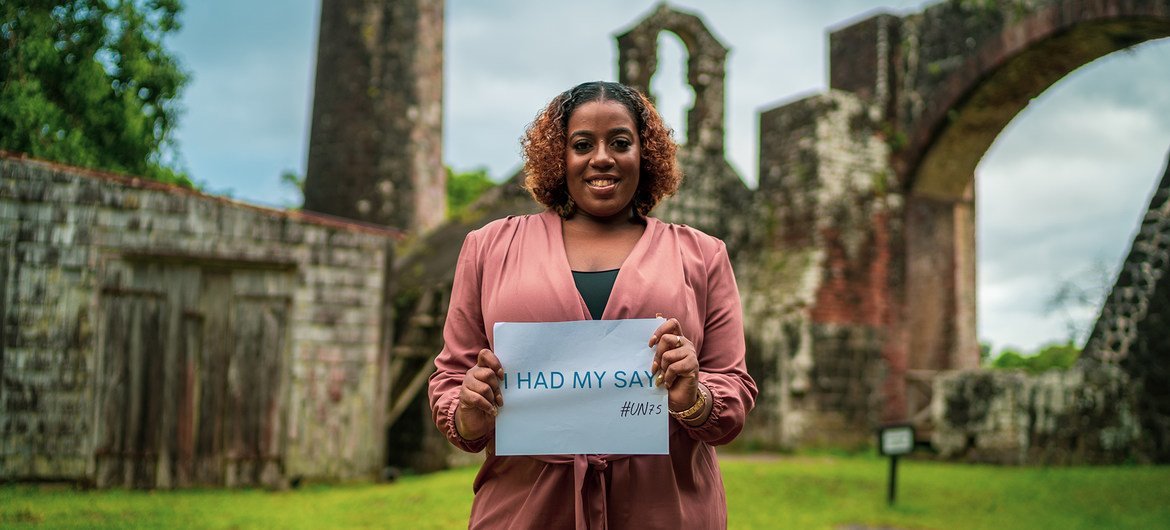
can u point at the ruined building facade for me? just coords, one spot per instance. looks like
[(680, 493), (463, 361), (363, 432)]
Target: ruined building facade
[(855, 255), (156, 337)]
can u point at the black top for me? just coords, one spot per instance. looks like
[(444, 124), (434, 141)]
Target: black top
[(595, 288)]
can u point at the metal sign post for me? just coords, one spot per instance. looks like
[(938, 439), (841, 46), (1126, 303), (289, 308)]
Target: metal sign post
[(895, 441)]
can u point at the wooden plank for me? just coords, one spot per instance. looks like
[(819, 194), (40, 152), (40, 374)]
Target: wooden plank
[(183, 363), (275, 411), (188, 399), (261, 331), (150, 393), (132, 404), (404, 398), (111, 376), (214, 358), (263, 300)]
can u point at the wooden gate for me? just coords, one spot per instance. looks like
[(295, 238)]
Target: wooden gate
[(192, 376)]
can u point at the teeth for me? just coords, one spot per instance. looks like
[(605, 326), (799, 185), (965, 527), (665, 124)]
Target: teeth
[(601, 183)]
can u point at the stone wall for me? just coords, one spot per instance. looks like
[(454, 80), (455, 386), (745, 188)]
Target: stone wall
[(1133, 329), (1077, 416), (816, 277), (157, 337)]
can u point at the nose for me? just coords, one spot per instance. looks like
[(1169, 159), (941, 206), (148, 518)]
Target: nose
[(601, 158)]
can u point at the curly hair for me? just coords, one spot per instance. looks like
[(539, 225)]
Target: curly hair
[(544, 147)]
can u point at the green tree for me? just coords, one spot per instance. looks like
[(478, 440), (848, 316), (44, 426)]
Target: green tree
[(293, 181), (89, 83), (463, 188), (984, 353), (1054, 356), (1009, 358)]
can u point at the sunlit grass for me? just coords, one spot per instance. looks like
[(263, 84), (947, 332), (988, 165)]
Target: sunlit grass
[(828, 492), (763, 492)]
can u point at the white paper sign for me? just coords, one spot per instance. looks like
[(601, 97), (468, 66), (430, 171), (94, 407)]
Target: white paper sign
[(580, 387)]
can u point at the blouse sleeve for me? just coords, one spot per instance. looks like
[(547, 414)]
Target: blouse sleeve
[(463, 336), (722, 368)]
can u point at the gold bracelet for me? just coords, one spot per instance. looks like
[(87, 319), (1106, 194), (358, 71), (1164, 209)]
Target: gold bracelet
[(695, 409)]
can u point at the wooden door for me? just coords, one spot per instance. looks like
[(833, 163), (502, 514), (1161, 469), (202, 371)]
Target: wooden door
[(191, 377)]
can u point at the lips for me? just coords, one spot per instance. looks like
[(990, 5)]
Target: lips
[(601, 183)]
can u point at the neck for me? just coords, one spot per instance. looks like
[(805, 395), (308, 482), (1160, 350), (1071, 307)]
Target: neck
[(585, 222)]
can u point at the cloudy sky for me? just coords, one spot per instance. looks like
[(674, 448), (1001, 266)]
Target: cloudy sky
[(1060, 193)]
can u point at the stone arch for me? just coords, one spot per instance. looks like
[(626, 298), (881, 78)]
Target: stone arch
[(711, 189), (706, 61), (961, 89), (965, 70), (942, 84)]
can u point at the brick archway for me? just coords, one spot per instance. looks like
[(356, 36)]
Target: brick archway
[(962, 74), (951, 115), (954, 92), (937, 87)]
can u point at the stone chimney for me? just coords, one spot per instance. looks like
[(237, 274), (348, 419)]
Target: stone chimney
[(375, 148)]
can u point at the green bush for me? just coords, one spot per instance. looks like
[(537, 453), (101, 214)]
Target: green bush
[(1054, 356), (464, 187)]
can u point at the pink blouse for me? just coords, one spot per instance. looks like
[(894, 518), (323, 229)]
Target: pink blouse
[(516, 270)]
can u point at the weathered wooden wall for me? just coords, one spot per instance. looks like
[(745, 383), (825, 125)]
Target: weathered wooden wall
[(156, 337)]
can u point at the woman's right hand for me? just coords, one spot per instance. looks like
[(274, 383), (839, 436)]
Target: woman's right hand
[(479, 397)]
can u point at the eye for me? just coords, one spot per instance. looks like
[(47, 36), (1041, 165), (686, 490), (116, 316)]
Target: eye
[(582, 146), (622, 144)]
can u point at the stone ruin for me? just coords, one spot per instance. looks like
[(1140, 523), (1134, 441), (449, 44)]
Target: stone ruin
[(136, 315), (855, 254)]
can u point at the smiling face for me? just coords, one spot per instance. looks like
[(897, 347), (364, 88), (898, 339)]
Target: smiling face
[(603, 157)]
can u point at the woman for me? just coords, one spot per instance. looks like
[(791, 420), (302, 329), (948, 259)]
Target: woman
[(599, 158)]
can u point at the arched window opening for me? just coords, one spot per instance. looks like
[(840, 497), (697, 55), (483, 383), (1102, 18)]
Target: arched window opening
[(1060, 195), (672, 93)]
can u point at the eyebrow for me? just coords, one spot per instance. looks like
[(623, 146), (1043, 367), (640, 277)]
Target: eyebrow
[(615, 130)]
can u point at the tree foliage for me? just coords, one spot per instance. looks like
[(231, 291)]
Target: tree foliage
[(463, 188), (1054, 356), (89, 83)]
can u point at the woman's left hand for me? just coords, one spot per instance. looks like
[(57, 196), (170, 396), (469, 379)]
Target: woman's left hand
[(676, 365)]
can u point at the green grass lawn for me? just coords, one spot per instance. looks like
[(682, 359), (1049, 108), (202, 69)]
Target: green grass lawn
[(763, 492)]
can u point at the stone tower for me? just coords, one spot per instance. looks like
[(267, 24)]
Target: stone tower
[(375, 150)]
